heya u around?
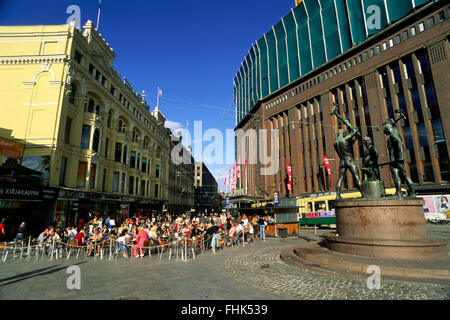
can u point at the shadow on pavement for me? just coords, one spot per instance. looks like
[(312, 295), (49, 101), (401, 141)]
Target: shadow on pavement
[(34, 273)]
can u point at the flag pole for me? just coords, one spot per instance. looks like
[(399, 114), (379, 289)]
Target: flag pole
[(98, 15)]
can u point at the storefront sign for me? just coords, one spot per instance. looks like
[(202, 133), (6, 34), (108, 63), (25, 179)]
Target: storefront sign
[(10, 149), (27, 192)]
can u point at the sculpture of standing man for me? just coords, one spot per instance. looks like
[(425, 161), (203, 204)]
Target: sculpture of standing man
[(343, 146), (396, 157), (370, 163)]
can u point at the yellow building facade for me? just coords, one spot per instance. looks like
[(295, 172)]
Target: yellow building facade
[(81, 123)]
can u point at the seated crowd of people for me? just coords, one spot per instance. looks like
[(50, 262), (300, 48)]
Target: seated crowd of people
[(141, 233)]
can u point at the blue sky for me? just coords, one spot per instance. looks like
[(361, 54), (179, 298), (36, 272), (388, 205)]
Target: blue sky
[(190, 49)]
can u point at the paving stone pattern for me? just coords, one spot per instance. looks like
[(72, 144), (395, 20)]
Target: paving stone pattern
[(253, 272)]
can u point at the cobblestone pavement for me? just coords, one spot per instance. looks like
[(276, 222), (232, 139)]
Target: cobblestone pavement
[(266, 271), (254, 272)]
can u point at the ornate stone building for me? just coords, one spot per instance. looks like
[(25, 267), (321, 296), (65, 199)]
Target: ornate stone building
[(107, 151)]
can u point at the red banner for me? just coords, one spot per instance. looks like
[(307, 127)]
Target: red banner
[(327, 166), (226, 174), (289, 171), (239, 169), (233, 183), (245, 172)]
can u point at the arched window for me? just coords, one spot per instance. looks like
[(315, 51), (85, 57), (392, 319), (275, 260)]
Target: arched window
[(97, 109), (91, 105), (120, 126), (109, 119), (73, 92), (96, 140)]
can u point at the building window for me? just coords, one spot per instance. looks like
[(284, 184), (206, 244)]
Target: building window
[(432, 102), (156, 190), (398, 39), (405, 35), (118, 152), (90, 107), (67, 130), (81, 176), (116, 182), (85, 136), (430, 22), (137, 185), (62, 172), (413, 31), (385, 81), (130, 184), (142, 188), (132, 159), (106, 148), (138, 161), (441, 16), (421, 27), (96, 140), (122, 183), (144, 165)]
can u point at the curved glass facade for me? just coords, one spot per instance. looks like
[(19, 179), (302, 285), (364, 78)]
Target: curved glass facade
[(310, 35)]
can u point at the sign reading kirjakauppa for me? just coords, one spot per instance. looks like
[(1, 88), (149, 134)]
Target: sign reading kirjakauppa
[(27, 192)]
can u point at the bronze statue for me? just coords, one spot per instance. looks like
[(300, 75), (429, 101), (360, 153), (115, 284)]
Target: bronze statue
[(343, 146), (370, 163), (396, 156)]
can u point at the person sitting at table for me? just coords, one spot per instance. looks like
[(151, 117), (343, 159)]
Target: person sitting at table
[(122, 242), (80, 238), (95, 239), (187, 231), (140, 238)]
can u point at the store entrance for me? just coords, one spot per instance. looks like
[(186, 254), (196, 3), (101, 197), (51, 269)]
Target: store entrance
[(34, 213)]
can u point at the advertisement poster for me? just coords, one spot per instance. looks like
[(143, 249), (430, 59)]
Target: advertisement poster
[(436, 207)]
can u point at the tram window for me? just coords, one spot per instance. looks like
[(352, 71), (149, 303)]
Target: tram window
[(319, 206), (331, 205), (309, 206)]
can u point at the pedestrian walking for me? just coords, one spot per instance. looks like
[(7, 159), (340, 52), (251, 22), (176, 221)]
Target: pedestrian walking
[(262, 228)]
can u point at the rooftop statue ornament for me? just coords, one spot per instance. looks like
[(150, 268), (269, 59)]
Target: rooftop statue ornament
[(396, 157), (343, 146)]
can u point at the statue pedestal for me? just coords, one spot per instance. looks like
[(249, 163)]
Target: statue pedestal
[(384, 229)]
